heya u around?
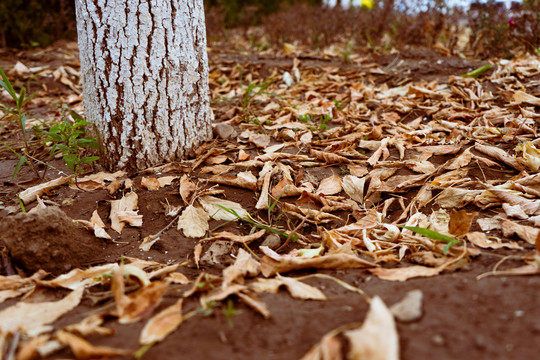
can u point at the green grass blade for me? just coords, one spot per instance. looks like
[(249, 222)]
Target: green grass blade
[(476, 73), (21, 162), (6, 84), (434, 235)]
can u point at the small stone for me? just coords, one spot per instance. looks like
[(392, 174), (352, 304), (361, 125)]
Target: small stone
[(272, 241), (225, 131), (438, 340), (48, 239), (409, 308)]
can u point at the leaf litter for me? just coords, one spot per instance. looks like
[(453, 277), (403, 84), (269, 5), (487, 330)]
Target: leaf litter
[(442, 172)]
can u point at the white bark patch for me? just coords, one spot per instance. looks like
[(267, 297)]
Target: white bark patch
[(144, 69)]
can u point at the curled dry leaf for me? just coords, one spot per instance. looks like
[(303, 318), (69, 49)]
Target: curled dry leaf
[(460, 222), (32, 193), (130, 217), (82, 349), (139, 304), (212, 205), (274, 263), (481, 240), (524, 232), (78, 277), (243, 266), (406, 273), (126, 203), (89, 326), (242, 239), (187, 189), (150, 183), (376, 339), (354, 187), (162, 324), (27, 316), (244, 180), (329, 158), (300, 290), (193, 222), (254, 302), (97, 181), (500, 155)]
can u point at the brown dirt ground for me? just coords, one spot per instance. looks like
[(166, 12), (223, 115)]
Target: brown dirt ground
[(491, 318)]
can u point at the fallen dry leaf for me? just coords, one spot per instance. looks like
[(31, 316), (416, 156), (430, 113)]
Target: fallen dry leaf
[(243, 266), (242, 239), (27, 316), (193, 222), (162, 324), (274, 263), (377, 339), (126, 203), (524, 232), (32, 193), (481, 240), (82, 349), (330, 185), (212, 206)]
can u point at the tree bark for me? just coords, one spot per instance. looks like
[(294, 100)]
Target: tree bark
[(144, 70)]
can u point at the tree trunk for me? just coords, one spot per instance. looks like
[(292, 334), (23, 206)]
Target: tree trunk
[(144, 70)]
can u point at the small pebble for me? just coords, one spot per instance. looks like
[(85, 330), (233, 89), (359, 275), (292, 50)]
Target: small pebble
[(272, 241), (437, 339), (225, 131)]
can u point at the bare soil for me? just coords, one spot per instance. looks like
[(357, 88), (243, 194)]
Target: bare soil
[(463, 317)]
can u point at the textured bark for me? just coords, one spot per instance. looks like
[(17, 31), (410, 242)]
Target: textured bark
[(145, 78)]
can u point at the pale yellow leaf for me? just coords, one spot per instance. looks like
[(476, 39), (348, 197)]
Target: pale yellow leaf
[(193, 222), (162, 324)]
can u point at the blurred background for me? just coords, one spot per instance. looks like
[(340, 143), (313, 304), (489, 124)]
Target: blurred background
[(502, 28)]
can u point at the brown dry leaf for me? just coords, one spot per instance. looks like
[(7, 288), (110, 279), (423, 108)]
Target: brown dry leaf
[(377, 339), (274, 263), (254, 302), (500, 155), (126, 203), (524, 232), (32, 193), (530, 207), (382, 151), (243, 266), (139, 304), (29, 350), (187, 189), (300, 290), (89, 326), (130, 217), (455, 198), (242, 239), (262, 203), (521, 97), (150, 183), (460, 222), (193, 222), (197, 251), (409, 272), (212, 206), (481, 240), (244, 180), (329, 158), (27, 316), (77, 277), (97, 181), (330, 185), (242, 155), (220, 294), (310, 215), (461, 161), (285, 188), (162, 324), (99, 226), (82, 349), (204, 282)]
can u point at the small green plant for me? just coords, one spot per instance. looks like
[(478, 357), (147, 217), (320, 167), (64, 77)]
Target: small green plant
[(229, 312), (249, 219), (254, 89), (434, 235), (69, 141), (20, 116), (310, 120)]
